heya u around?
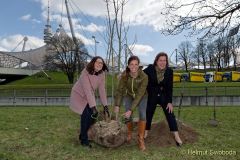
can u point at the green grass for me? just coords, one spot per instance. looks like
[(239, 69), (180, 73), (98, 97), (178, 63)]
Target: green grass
[(52, 135), (41, 78)]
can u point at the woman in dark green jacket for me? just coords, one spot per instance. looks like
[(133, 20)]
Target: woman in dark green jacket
[(132, 90)]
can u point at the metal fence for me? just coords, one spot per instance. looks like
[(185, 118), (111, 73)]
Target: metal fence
[(177, 91), (227, 96), (207, 91)]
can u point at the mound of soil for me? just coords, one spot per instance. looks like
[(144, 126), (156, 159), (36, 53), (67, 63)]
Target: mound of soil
[(160, 135)]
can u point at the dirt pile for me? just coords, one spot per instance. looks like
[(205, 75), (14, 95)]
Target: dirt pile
[(160, 135)]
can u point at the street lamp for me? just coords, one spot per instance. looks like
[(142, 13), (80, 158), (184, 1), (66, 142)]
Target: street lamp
[(95, 43)]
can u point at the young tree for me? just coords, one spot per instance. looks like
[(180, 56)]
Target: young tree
[(116, 31)]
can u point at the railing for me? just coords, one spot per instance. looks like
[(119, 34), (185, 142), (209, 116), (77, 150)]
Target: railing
[(60, 92), (207, 91)]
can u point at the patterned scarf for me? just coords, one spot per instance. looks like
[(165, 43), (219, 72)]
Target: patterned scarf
[(160, 74)]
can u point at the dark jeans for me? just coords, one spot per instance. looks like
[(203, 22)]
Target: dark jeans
[(86, 122), (151, 107)]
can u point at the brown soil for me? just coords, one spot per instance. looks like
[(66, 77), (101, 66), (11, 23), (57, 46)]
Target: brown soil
[(160, 135)]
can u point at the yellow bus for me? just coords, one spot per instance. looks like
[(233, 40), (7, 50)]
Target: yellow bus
[(235, 76), (218, 76), (176, 77), (196, 77)]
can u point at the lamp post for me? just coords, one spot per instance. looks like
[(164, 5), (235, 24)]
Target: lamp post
[(95, 43)]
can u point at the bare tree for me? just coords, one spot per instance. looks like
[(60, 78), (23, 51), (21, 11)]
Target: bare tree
[(233, 51), (219, 46), (62, 55), (226, 51), (208, 17), (201, 51), (116, 31), (110, 23), (210, 54), (185, 52)]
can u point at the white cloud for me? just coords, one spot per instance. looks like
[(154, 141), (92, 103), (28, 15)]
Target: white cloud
[(85, 40), (3, 49), (36, 21), (93, 28), (76, 24), (147, 12), (141, 50), (9, 43), (142, 12), (89, 7), (26, 17)]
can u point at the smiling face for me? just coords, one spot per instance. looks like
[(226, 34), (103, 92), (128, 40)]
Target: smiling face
[(98, 65), (133, 66), (162, 62)]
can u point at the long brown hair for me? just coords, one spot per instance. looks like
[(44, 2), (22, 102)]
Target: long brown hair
[(90, 65), (132, 58), (160, 55)]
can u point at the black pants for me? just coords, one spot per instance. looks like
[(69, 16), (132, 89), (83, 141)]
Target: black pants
[(151, 107), (86, 122)]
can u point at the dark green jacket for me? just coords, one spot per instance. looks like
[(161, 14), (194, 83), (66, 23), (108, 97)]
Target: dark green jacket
[(134, 87)]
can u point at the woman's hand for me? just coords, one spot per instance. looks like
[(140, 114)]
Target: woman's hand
[(116, 109), (170, 107), (127, 114), (106, 111)]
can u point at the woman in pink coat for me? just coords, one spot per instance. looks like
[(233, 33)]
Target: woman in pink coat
[(83, 101)]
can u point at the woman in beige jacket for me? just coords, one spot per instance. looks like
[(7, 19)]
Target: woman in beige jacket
[(82, 99)]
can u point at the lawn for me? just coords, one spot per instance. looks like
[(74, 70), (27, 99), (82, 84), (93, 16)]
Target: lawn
[(50, 133)]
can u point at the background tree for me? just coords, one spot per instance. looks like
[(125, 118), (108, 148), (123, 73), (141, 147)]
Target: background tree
[(185, 53), (202, 52), (210, 54), (219, 46), (235, 44), (208, 17), (62, 55)]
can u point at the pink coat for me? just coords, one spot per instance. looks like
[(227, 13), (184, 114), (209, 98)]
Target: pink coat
[(83, 91)]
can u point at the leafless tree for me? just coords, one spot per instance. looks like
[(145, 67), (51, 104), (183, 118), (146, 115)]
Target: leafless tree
[(219, 47), (185, 53), (233, 50), (208, 17), (201, 50), (228, 43), (116, 31), (62, 55), (210, 54)]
